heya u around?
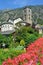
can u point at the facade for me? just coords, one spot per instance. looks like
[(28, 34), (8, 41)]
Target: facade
[(27, 15), (9, 26), (6, 27), (40, 31), (39, 28), (17, 21)]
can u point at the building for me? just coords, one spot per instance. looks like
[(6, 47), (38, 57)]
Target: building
[(11, 21), (39, 28), (7, 28), (0, 26), (24, 24), (17, 21), (27, 15)]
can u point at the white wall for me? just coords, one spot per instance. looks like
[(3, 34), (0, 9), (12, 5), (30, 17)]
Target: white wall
[(7, 27), (16, 21)]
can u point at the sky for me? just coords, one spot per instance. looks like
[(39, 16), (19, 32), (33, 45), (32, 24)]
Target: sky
[(11, 4)]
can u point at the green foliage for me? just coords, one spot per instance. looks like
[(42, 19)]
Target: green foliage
[(31, 38), (11, 45), (22, 43), (11, 52), (13, 14), (38, 63), (26, 35), (19, 47), (8, 40), (22, 32), (23, 36), (15, 44), (39, 21), (2, 38)]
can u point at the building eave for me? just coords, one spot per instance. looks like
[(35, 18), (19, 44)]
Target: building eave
[(7, 32)]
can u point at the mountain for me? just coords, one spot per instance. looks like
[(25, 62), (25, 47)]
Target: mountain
[(37, 13)]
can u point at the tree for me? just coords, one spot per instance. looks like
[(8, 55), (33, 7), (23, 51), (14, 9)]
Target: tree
[(22, 43), (25, 34), (39, 21)]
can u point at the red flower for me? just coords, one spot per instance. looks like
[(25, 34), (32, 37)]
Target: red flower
[(34, 53)]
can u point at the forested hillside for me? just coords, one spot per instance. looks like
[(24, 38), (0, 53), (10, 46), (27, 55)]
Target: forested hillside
[(37, 13)]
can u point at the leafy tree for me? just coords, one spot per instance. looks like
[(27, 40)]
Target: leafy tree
[(25, 34), (22, 43), (39, 21), (7, 40), (3, 38)]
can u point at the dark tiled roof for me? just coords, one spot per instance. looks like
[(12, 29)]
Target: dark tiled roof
[(6, 23)]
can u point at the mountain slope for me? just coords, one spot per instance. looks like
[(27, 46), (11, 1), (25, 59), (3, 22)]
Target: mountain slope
[(37, 12)]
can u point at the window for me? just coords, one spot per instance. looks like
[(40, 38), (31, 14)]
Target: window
[(29, 10), (29, 14), (25, 17), (29, 17)]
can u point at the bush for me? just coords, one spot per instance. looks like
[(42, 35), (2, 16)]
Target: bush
[(11, 52), (26, 35), (31, 38), (33, 55), (22, 43)]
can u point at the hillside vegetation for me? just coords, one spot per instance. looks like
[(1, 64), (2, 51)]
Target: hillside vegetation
[(37, 13)]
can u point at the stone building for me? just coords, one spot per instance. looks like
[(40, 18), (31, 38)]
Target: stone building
[(39, 28), (17, 21), (7, 28), (27, 15)]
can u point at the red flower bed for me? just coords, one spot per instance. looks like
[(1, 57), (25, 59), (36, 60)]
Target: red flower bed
[(33, 55)]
